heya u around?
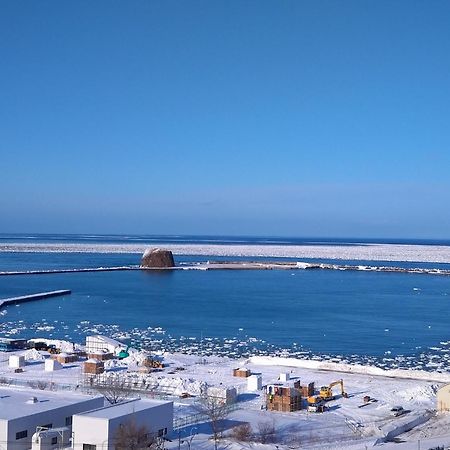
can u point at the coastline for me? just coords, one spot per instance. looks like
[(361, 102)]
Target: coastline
[(238, 345), (185, 378)]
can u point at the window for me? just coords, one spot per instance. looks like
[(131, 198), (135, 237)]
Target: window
[(162, 432), (21, 434), (69, 421), (89, 447), (54, 440), (49, 425)]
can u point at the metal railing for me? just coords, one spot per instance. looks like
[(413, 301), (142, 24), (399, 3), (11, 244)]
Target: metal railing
[(193, 419)]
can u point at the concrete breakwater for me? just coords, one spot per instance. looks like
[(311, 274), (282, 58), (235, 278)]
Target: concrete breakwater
[(53, 271), (229, 265), (246, 265), (33, 297)]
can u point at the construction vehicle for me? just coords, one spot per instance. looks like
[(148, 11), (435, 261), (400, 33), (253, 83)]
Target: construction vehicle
[(326, 392), (53, 349), (316, 404), (43, 346)]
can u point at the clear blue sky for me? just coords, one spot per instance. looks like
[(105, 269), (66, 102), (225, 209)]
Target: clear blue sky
[(318, 118)]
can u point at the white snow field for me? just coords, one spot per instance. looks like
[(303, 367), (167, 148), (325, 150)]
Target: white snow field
[(343, 425), (365, 252)]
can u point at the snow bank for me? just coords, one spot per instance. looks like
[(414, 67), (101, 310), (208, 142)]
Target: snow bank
[(407, 423), (350, 368), (33, 355), (418, 393), (177, 385)]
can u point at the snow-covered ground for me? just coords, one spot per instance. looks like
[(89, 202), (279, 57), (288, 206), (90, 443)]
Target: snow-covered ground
[(343, 425), (365, 252)]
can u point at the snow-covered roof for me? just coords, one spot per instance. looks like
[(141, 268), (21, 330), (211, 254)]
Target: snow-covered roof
[(15, 403), (123, 409), (104, 339)]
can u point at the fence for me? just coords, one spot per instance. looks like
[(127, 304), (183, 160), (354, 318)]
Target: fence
[(193, 419)]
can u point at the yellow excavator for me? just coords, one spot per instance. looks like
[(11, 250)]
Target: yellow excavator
[(326, 392), (316, 404)]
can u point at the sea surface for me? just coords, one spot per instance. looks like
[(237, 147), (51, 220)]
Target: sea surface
[(387, 319)]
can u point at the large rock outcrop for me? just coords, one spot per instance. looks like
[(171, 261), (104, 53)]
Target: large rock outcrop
[(154, 258)]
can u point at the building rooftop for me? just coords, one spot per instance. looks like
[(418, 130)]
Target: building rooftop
[(123, 409), (15, 403), (105, 339)]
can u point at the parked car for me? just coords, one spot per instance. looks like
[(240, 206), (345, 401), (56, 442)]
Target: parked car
[(397, 411)]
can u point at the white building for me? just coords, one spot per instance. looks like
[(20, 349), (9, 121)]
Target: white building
[(254, 383), (23, 411), (224, 395), (443, 398), (98, 429), (98, 343), (51, 364), (16, 361)]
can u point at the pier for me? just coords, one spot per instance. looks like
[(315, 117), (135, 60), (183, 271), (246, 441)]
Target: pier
[(53, 271), (33, 297)]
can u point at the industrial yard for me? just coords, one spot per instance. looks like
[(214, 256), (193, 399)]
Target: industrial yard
[(305, 404)]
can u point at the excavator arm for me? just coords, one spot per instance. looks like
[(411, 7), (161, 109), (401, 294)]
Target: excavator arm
[(339, 382), (326, 392)]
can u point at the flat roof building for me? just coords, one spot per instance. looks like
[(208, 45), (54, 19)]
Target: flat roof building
[(103, 428), (9, 345), (22, 411)]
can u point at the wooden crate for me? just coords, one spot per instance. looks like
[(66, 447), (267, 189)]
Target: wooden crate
[(284, 403), (101, 356), (94, 367), (243, 373), (308, 390), (283, 398)]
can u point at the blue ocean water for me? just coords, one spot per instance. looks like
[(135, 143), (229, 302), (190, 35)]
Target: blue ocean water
[(187, 239), (351, 314)]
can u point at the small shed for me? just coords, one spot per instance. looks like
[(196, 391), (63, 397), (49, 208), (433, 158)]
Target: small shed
[(100, 355), (243, 373), (254, 383), (51, 364), (94, 366), (65, 358), (16, 361), (443, 398), (284, 376), (225, 395)]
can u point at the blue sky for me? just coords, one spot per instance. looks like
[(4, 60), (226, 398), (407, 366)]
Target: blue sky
[(319, 118)]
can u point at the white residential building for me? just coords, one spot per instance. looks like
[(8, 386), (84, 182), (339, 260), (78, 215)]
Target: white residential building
[(98, 429), (23, 411)]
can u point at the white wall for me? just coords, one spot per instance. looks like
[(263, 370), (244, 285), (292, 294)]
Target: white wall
[(102, 432), (3, 434), (90, 430), (34, 418)]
